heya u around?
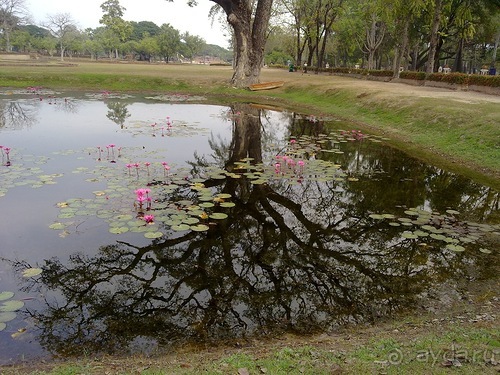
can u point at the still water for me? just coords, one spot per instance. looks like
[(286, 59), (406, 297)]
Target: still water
[(133, 224)]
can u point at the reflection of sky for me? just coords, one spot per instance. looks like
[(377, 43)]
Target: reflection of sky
[(65, 140)]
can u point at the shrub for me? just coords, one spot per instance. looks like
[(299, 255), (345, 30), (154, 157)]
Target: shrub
[(380, 73), (491, 81), (418, 76)]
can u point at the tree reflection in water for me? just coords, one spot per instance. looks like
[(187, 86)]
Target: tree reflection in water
[(299, 257), (118, 113)]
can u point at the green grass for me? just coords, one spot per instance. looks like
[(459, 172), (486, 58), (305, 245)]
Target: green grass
[(472, 349)]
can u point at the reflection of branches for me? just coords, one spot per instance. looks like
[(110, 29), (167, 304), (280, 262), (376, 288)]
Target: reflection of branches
[(299, 257), (16, 115), (67, 105)]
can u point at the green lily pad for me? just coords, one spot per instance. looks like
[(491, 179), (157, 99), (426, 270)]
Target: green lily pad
[(452, 212), (7, 316), (57, 226), (118, 230), (190, 221), (11, 306), (199, 228), (227, 204), (218, 216), (224, 195), (153, 235), (206, 204), (180, 227), (456, 248), (485, 251), (124, 217), (439, 237), (404, 220), (376, 216), (32, 272), (409, 235), (258, 182), (6, 295)]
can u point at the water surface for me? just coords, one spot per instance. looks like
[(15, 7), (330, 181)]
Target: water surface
[(264, 222)]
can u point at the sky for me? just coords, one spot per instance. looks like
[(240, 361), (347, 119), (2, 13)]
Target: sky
[(87, 13)]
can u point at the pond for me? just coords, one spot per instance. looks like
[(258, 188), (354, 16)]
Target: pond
[(135, 224)]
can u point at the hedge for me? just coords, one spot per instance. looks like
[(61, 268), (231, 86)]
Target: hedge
[(452, 78)]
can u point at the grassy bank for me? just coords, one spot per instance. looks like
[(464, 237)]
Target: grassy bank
[(462, 134), (464, 342)]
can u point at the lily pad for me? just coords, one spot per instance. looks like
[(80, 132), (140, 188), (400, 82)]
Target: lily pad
[(6, 295), (218, 216), (11, 306), (180, 227), (485, 251), (456, 248), (199, 228), (376, 216), (206, 204), (409, 235), (227, 204), (7, 316), (32, 272), (57, 226), (118, 230), (152, 235)]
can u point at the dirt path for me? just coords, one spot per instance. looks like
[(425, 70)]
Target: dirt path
[(385, 89)]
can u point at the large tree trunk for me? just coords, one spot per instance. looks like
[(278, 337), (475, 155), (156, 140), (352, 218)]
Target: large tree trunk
[(250, 33), (400, 50), (374, 37), (459, 58), (433, 44)]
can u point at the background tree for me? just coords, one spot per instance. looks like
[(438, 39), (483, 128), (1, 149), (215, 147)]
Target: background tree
[(12, 14), (192, 45), (143, 28), (63, 28), (119, 29), (169, 41), (148, 48)]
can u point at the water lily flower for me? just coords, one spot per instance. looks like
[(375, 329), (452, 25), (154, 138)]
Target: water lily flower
[(149, 219), (301, 164)]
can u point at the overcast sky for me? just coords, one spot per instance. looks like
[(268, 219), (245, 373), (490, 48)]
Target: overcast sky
[(87, 13)]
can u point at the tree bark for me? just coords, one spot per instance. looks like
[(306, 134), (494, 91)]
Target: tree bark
[(400, 50), (250, 31), (433, 44)]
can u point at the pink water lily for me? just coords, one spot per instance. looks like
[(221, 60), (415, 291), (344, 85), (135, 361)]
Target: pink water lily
[(149, 219)]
